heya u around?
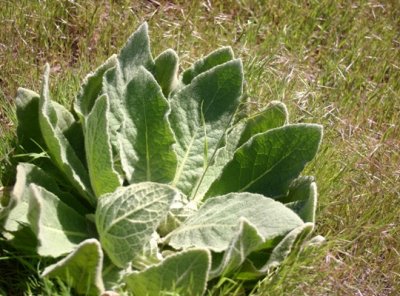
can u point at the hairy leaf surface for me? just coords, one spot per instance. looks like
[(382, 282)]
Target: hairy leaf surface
[(103, 177), (217, 221), (200, 115), (58, 227), (185, 273), (52, 125), (81, 269), (269, 161), (127, 218)]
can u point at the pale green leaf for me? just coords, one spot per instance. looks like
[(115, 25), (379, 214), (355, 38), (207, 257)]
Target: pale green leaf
[(81, 269), (185, 273), (91, 89), (215, 58), (18, 205), (127, 218), (52, 124), (166, 69), (146, 137), (302, 198), (103, 177), (136, 52), (216, 222), (246, 240), (269, 161), (288, 247), (58, 227), (28, 129), (200, 115), (273, 116)]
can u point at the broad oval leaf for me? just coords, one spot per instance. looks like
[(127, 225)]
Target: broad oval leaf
[(185, 273), (59, 228), (217, 221), (81, 269), (127, 218), (269, 161), (200, 115)]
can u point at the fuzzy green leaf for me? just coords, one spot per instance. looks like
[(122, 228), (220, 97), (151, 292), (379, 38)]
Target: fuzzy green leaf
[(243, 243), (215, 58), (103, 177), (127, 218), (58, 227), (136, 52), (52, 125), (200, 115), (302, 198), (146, 137), (28, 130), (216, 222), (166, 69), (269, 161), (289, 246), (81, 269), (273, 116), (91, 89), (185, 273)]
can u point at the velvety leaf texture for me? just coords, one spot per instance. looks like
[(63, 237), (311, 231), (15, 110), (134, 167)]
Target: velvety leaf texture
[(103, 177), (59, 228), (200, 115), (166, 70), (81, 269), (268, 162), (273, 116), (184, 273), (215, 58), (60, 150), (217, 221), (126, 218), (92, 88), (146, 137)]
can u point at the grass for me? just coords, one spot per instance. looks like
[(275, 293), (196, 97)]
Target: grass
[(331, 62)]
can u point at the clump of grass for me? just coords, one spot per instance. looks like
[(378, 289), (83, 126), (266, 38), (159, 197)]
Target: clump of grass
[(333, 62)]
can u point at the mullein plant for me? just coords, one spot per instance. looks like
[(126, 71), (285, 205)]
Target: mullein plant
[(155, 182)]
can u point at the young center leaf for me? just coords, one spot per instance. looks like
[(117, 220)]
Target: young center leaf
[(200, 115), (81, 269), (185, 273), (217, 221), (146, 137), (127, 218), (268, 162)]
